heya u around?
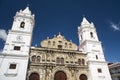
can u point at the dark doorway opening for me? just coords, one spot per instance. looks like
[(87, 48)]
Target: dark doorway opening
[(34, 76), (60, 75)]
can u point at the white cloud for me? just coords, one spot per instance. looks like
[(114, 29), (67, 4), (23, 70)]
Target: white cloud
[(3, 34), (115, 27)]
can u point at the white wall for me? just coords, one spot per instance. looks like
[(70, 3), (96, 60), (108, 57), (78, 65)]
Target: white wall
[(13, 74)]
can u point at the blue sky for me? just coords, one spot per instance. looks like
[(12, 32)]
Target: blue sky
[(54, 16)]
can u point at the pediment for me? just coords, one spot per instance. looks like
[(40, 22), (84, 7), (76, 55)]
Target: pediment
[(58, 42)]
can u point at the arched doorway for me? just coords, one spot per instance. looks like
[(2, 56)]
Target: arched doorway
[(60, 75), (34, 76), (83, 77)]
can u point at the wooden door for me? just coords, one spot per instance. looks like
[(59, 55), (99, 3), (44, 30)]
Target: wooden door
[(83, 77), (34, 76), (60, 75)]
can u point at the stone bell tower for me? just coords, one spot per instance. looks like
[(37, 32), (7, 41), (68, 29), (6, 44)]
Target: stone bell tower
[(15, 55), (89, 43)]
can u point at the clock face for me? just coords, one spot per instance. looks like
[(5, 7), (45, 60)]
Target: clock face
[(19, 38)]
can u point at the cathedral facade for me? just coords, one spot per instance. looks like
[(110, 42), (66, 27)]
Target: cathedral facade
[(56, 59)]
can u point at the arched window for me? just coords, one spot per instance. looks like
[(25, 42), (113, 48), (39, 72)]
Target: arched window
[(59, 46), (49, 42), (62, 60), (53, 43), (65, 45), (22, 25), (91, 34), (33, 58), (38, 58), (70, 45), (83, 62), (58, 60), (79, 61)]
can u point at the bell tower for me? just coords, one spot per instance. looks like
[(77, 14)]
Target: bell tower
[(90, 44), (87, 31), (15, 55)]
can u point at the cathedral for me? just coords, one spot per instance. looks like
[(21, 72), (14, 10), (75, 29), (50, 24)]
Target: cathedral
[(56, 59)]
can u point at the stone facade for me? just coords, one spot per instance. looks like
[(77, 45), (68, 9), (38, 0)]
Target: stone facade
[(57, 55)]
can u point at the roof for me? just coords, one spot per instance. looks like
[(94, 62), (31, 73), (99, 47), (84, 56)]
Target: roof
[(114, 65)]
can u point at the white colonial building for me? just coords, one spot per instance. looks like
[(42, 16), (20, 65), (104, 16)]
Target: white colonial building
[(56, 59), (15, 55), (89, 43)]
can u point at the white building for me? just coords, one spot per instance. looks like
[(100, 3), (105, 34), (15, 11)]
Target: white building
[(89, 42), (15, 56), (115, 70)]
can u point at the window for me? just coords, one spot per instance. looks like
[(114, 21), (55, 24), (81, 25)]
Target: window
[(12, 69), (83, 62), (71, 61), (70, 45), (48, 60), (22, 25), (38, 58), (49, 42), (65, 45), (81, 37), (96, 57), (79, 61), (99, 70), (16, 47), (33, 58), (53, 43), (62, 60), (12, 66), (59, 46), (58, 60), (67, 62), (91, 34)]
